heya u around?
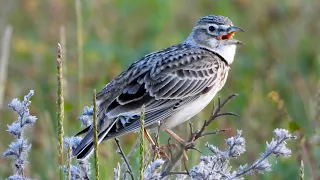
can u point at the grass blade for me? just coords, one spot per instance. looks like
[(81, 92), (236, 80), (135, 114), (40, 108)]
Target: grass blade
[(60, 109), (95, 135)]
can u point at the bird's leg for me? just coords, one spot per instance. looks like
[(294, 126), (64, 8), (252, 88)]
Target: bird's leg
[(158, 150), (175, 136), (147, 135), (183, 144)]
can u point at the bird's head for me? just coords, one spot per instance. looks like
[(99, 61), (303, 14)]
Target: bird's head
[(216, 34)]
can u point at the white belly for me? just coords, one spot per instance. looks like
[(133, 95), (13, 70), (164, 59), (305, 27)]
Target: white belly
[(189, 111)]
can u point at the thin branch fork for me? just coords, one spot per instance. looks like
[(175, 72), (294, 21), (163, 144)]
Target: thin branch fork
[(125, 159), (215, 114)]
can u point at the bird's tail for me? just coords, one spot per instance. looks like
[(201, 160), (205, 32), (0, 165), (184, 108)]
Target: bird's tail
[(85, 147)]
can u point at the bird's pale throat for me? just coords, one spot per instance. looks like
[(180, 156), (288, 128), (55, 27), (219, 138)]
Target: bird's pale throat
[(228, 36)]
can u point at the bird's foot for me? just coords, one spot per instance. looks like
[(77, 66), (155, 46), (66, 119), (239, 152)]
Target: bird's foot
[(161, 150)]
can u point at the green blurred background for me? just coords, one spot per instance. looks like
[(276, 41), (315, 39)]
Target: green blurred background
[(281, 55)]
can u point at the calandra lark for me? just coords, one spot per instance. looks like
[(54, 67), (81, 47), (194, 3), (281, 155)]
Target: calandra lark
[(174, 84)]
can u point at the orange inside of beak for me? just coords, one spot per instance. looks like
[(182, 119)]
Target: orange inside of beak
[(228, 36)]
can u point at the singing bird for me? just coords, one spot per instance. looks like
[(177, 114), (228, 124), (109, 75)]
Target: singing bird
[(174, 84)]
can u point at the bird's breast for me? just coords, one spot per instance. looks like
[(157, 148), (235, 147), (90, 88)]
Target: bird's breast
[(189, 110), (198, 105)]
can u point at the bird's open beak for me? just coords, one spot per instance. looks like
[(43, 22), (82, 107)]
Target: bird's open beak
[(230, 31)]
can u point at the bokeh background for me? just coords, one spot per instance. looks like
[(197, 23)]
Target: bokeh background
[(276, 73)]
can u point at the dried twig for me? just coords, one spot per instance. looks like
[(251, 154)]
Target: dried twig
[(214, 132), (125, 159)]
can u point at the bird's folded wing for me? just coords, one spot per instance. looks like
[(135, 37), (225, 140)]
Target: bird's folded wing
[(163, 82)]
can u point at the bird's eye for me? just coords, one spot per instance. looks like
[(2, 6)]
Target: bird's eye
[(212, 28)]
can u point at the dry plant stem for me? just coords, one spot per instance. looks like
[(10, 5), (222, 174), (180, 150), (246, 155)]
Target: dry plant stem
[(142, 130), (60, 108), (95, 135), (4, 59), (80, 50), (124, 158), (187, 145)]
